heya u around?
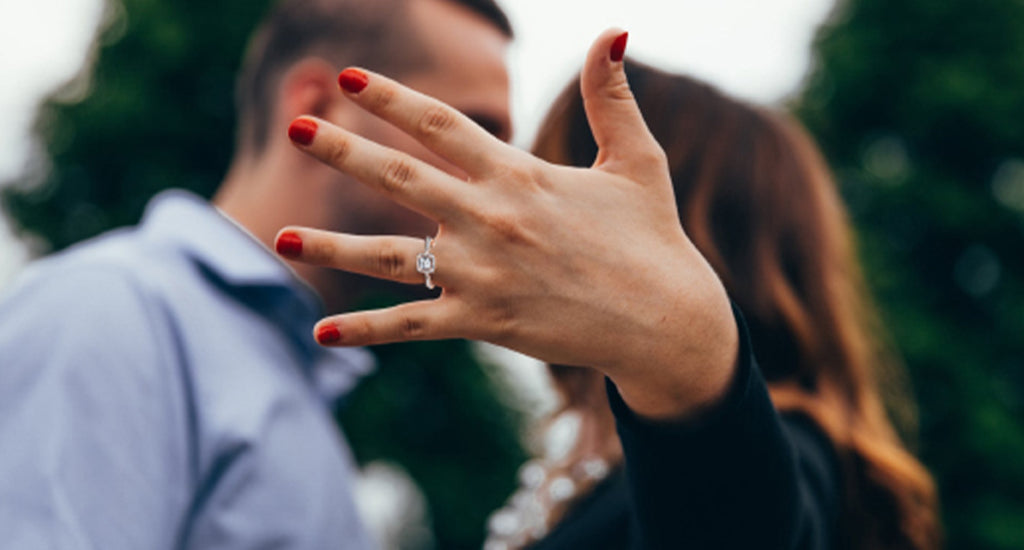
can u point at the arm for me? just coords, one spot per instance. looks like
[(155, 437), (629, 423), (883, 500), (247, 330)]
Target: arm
[(572, 266), (92, 442), (740, 476)]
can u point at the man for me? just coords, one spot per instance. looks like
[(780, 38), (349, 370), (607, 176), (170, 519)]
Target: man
[(159, 386)]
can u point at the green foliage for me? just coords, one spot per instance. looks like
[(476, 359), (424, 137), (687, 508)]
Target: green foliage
[(159, 113), (919, 106)]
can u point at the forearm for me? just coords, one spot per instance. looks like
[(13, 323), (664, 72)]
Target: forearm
[(729, 479), (684, 353)]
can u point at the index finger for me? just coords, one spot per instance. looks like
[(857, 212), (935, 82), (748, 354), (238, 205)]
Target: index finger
[(439, 127)]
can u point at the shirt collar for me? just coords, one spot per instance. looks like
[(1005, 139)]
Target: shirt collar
[(226, 250), (214, 240)]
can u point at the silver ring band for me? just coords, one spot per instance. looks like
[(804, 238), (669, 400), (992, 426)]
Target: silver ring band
[(426, 263)]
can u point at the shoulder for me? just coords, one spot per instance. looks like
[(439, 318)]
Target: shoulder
[(814, 450), (819, 472), (94, 301), (86, 346), (809, 438)]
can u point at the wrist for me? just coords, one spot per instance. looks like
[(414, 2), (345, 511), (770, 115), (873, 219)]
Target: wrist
[(687, 378)]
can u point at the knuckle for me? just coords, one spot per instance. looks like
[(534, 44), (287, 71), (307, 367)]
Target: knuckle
[(507, 227), (652, 157), (503, 322), (620, 91), (411, 327), (614, 86), (362, 332), (617, 87), (526, 176), (435, 121), (322, 251), (382, 99), (488, 277), (338, 152), (390, 262), (396, 176), (538, 177)]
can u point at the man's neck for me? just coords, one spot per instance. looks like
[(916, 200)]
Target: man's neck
[(244, 196), (265, 196)]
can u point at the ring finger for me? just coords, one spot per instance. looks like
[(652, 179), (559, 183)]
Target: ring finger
[(391, 258)]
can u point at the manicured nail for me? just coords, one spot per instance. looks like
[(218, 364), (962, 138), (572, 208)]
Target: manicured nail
[(353, 80), (290, 245), (328, 334), (619, 47), (302, 131)]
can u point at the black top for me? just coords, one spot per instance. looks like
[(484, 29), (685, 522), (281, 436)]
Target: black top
[(742, 477)]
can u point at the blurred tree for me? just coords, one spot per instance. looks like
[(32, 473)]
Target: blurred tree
[(919, 106), (156, 110)]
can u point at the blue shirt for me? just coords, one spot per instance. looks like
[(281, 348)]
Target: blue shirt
[(160, 388)]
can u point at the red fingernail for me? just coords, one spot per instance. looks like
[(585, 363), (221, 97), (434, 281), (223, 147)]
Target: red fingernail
[(619, 47), (302, 131), (353, 80), (328, 334), (290, 245)]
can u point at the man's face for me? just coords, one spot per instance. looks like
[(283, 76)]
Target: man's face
[(467, 72)]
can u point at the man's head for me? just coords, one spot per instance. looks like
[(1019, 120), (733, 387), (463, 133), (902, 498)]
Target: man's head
[(386, 36), (453, 50)]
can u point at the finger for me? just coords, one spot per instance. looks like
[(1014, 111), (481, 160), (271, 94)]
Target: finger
[(424, 320), (437, 126), (391, 258), (618, 126), (401, 177)]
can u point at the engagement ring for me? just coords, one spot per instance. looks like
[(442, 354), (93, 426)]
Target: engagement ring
[(426, 263)]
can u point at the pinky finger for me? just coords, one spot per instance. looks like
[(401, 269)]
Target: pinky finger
[(424, 320)]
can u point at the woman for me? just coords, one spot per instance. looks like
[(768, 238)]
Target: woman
[(584, 267), (757, 200)]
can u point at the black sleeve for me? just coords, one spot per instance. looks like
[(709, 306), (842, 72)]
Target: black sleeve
[(740, 477)]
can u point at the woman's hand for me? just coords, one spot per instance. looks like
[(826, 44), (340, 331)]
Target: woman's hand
[(574, 266)]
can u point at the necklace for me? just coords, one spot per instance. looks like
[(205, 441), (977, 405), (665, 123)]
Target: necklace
[(526, 516)]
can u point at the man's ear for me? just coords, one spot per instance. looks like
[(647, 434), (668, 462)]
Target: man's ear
[(309, 87)]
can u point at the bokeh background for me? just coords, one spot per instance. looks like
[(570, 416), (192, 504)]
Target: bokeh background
[(918, 104)]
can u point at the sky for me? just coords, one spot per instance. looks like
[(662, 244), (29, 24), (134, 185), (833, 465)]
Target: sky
[(755, 49)]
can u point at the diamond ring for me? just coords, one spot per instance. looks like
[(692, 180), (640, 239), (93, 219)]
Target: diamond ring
[(426, 263)]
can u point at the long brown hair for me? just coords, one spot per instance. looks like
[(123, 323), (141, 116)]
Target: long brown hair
[(756, 197)]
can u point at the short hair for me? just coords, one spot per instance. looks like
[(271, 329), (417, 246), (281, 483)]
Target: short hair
[(371, 33)]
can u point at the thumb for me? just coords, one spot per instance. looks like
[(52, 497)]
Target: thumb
[(619, 129)]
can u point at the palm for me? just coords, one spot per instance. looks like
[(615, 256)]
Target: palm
[(575, 266)]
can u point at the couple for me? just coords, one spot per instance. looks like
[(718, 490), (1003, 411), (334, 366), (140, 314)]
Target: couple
[(160, 388)]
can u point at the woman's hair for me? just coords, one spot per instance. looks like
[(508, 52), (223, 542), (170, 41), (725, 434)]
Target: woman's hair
[(756, 197)]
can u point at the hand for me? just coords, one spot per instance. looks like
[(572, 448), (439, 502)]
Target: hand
[(574, 266)]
